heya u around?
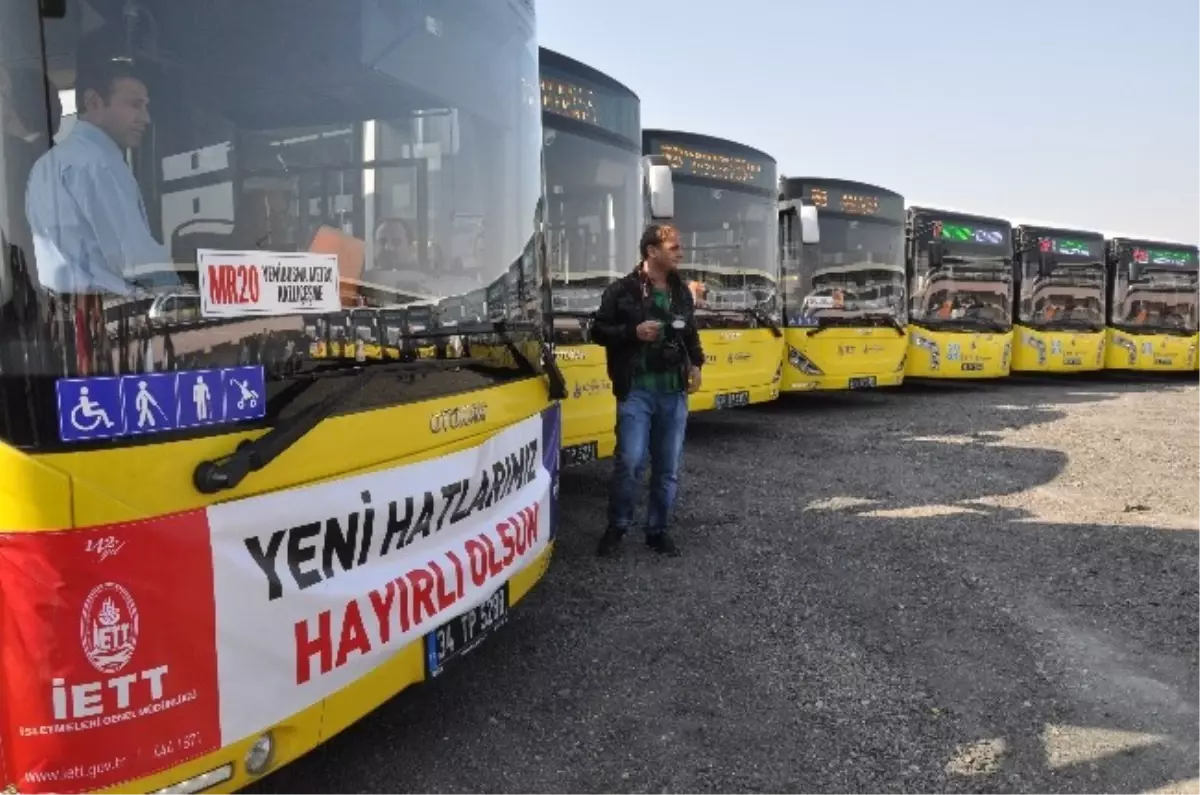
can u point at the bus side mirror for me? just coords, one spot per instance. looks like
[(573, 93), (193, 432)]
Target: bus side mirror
[(810, 225), (937, 253), (661, 191), (52, 9), (1135, 271)]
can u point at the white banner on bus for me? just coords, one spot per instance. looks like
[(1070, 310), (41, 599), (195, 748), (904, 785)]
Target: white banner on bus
[(315, 587)]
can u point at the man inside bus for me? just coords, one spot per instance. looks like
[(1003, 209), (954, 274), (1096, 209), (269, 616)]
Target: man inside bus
[(646, 324), (84, 205)]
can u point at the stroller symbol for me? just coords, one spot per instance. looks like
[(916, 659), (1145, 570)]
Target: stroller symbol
[(248, 396)]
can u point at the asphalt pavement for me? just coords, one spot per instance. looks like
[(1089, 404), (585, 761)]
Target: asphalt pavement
[(956, 587)]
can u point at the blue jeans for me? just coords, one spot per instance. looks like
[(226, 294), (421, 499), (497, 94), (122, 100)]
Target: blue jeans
[(647, 423)]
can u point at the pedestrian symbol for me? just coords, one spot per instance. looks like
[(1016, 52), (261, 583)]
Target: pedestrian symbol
[(197, 403), (245, 393), (149, 402), (89, 408)]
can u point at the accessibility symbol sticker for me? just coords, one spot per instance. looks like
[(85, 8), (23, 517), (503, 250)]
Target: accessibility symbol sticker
[(89, 408), (244, 391), (199, 398), (149, 402), (105, 407)]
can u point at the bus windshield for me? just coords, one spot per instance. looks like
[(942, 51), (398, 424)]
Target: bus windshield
[(346, 134), (1160, 300), (856, 271), (591, 213), (968, 291), (729, 247), (1071, 297)]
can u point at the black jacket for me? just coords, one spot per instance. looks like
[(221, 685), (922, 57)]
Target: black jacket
[(614, 326)]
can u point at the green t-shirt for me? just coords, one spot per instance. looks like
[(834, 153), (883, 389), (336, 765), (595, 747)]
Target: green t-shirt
[(657, 381)]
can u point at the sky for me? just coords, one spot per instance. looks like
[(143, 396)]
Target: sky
[(1081, 113)]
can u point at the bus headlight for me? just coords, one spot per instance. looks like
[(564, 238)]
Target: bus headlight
[(260, 755), (802, 363)]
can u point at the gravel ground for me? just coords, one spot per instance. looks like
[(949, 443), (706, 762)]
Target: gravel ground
[(985, 587)]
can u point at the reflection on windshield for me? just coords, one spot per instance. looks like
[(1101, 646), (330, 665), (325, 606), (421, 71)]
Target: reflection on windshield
[(592, 209), (965, 291), (355, 135), (1161, 300), (857, 270), (1069, 297), (729, 240)]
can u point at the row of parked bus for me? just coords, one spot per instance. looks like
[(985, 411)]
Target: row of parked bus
[(299, 448), (808, 283)]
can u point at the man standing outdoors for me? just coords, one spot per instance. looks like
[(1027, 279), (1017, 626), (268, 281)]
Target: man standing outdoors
[(645, 323)]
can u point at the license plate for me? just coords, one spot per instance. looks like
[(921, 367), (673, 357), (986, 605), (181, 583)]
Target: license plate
[(579, 453), (866, 382), (730, 400), (1071, 361), (461, 634), (972, 366)]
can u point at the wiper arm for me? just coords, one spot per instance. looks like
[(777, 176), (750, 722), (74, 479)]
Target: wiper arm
[(762, 318), (890, 320), (251, 455), (503, 329)]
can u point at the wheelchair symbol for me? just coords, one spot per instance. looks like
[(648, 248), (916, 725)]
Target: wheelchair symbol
[(90, 410)]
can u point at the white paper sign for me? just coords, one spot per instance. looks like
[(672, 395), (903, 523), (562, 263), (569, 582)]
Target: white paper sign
[(265, 283)]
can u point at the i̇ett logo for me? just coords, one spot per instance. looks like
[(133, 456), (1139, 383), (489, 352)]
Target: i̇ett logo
[(108, 627)]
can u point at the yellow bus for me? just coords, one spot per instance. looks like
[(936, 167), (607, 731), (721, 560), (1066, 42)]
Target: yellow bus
[(1059, 311), (725, 197), (960, 291), (1152, 305), (594, 195), (842, 254), (219, 546)]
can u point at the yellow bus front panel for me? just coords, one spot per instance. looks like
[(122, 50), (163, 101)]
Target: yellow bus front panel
[(741, 368), (1037, 351), (842, 358), (590, 409), (142, 484), (957, 354), (1150, 352)]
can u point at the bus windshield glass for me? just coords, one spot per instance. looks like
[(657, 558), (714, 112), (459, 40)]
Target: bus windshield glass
[(729, 239), (199, 186), (972, 288), (856, 271), (1067, 291), (1156, 290), (592, 153)]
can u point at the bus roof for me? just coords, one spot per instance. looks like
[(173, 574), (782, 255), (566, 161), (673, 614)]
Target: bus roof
[(565, 63), (1055, 225)]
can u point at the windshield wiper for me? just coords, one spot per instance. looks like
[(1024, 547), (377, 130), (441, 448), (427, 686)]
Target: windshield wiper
[(756, 315), (964, 324), (251, 455), (890, 320), (1068, 325), (826, 323), (1154, 328)]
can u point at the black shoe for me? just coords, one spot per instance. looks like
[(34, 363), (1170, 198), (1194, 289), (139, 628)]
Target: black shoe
[(662, 544), (609, 542)]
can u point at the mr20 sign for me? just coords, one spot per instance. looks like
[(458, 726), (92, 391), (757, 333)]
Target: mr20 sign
[(265, 283)]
